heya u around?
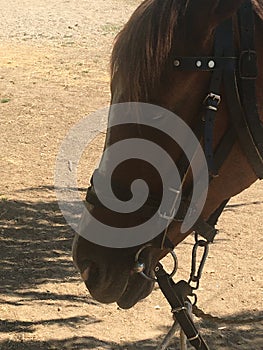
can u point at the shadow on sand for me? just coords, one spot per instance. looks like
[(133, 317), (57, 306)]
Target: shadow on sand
[(36, 248)]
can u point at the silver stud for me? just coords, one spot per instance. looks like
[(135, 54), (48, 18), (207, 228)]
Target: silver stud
[(211, 64), (198, 64), (177, 63)]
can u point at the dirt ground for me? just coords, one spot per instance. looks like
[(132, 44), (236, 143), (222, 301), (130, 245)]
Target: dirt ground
[(54, 71)]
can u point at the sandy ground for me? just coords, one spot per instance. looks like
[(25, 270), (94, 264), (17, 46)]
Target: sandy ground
[(54, 71)]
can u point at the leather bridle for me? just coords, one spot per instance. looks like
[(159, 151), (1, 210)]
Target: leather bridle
[(238, 74)]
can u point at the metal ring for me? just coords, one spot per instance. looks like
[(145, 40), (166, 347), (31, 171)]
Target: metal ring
[(175, 264), (140, 251), (149, 278)]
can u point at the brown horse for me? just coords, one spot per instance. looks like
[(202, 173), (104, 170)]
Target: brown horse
[(143, 70)]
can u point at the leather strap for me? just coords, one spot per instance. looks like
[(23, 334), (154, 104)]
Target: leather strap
[(205, 64), (243, 110), (239, 77), (176, 295), (213, 99), (151, 206), (248, 75)]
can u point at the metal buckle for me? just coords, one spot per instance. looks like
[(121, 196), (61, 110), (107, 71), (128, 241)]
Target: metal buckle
[(165, 215), (179, 309), (248, 64), (215, 98)]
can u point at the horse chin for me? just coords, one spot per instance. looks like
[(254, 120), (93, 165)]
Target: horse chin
[(103, 297), (105, 290), (137, 289), (126, 291), (115, 280), (125, 295), (128, 300)]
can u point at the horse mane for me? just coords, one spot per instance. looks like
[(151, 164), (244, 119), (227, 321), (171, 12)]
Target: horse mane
[(142, 47)]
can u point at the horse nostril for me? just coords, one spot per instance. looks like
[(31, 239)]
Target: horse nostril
[(85, 274), (88, 271)]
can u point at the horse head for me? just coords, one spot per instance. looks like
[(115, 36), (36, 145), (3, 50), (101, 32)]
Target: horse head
[(144, 69)]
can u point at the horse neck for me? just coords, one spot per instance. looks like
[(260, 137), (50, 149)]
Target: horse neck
[(259, 49)]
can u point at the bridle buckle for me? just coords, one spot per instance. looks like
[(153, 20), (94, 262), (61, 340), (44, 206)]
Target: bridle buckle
[(212, 101), (166, 216)]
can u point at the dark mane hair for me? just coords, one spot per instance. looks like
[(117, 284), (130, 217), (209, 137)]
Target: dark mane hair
[(143, 46)]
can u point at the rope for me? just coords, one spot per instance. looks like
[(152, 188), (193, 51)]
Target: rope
[(167, 340)]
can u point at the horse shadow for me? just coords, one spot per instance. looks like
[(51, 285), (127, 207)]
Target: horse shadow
[(35, 248), (35, 244), (239, 331)]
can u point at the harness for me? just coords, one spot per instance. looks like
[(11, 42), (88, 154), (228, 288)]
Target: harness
[(238, 74)]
